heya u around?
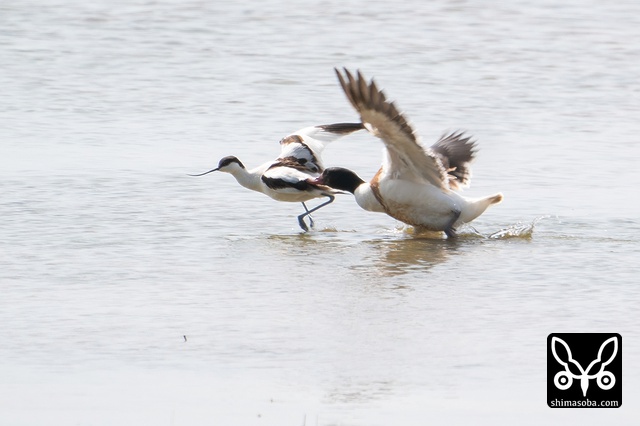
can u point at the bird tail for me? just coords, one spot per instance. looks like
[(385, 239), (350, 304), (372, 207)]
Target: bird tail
[(495, 199), (477, 206)]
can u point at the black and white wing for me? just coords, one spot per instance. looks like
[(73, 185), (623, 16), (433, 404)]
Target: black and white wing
[(290, 178), (382, 119), (305, 146)]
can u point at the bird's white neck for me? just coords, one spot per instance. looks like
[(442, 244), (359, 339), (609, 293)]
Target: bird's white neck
[(367, 199), (248, 179)]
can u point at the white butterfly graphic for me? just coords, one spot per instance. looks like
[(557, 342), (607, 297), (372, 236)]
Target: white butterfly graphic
[(564, 379)]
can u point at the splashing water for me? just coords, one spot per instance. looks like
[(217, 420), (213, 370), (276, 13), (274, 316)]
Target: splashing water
[(518, 230)]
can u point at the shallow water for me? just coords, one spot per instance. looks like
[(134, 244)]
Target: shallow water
[(135, 294)]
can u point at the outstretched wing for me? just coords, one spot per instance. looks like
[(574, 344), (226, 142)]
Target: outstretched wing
[(456, 152), (305, 146), (381, 117)]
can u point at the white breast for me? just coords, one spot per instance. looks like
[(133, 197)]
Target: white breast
[(367, 200)]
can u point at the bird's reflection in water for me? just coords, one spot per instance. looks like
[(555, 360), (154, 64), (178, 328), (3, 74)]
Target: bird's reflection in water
[(410, 251), (391, 253)]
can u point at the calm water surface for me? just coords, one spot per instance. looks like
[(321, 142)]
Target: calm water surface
[(134, 294)]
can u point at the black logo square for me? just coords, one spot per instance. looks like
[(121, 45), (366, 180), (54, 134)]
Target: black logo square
[(584, 370)]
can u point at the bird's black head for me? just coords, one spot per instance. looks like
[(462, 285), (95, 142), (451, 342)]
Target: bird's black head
[(227, 161), (227, 164), (340, 178)]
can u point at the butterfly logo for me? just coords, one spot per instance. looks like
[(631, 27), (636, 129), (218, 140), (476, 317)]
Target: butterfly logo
[(573, 370)]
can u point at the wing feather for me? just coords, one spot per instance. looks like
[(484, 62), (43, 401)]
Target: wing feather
[(382, 118), (291, 180), (456, 151), (306, 145)]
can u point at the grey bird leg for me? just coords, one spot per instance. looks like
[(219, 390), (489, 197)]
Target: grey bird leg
[(449, 229), (308, 213), (301, 222)]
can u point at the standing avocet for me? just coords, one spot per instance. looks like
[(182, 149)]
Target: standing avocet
[(290, 177), (415, 184)]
